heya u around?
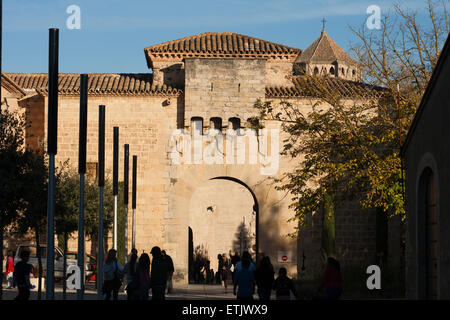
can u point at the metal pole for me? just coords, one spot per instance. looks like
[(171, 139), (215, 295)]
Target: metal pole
[(82, 170), (52, 150), (115, 180), (125, 194), (133, 204), (101, 184)]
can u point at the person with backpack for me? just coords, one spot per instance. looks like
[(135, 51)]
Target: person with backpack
[(112, 274), (9, 269), (21, 276), (129, 270), (283, 286)]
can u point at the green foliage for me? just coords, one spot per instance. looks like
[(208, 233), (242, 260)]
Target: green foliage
[(349, 145), (12, 161)]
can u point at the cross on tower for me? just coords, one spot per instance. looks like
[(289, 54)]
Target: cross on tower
[(323, 22)]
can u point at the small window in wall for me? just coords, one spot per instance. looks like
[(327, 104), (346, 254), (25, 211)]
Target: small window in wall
[(239, 87), (216, 123), (197, 125), (212, 86), (331, 70), (92, 170), (342, 71), (316, 71), (353, 72), (235, 123)]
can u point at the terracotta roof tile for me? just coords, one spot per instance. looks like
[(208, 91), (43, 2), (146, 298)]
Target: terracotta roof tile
[(99, 83), (219, 43), (11, 86), (324, 50), (304, 86)]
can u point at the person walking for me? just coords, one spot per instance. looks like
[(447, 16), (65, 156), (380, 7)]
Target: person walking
[(21, 276), (245, 282), (264, 275), (9, 269), (234, 259), (112, 274), (283, 286), (245, 256), (159, 274), (332, 280), (224, 269), (141, 283), (129, 270), (170, 272)]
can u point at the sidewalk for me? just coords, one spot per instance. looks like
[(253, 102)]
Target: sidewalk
[(180, 292)]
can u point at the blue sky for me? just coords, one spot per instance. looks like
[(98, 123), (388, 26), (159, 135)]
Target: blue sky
[(114, 33)]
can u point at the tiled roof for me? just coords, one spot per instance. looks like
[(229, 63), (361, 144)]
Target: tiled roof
[(324, 50), (219, 44), (98, 84), (11, 86), (306, 86)]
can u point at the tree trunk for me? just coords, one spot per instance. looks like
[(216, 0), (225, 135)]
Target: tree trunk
[(328, 227), (38, 253), (65, 265)]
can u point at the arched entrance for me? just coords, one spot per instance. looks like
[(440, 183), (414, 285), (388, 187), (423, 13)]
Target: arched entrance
[(428, 235), (223, 217)]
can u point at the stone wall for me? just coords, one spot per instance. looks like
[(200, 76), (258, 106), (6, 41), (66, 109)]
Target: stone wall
[(223, 88)]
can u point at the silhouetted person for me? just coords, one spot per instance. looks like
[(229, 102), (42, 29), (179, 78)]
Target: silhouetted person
[(283, 286), (112, 274), (129, 271), (234, 259), (21, 276), (332, 280), (170, 270), (143, 277), (245, 281), (224, 269), (245, 256), (264, 275), (159, 273)]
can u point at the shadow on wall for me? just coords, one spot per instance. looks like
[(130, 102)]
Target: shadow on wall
[(244, 240), (272, 239)]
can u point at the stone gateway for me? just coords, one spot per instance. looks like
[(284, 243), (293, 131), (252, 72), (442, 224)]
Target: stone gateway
[(200, 83)]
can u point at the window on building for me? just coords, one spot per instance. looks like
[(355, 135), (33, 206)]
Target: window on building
[(316, 71), (331, 70), (216, 123), (235, 123), (197, 125)]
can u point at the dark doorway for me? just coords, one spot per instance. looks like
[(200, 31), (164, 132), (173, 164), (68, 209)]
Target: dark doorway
[(428, 236)]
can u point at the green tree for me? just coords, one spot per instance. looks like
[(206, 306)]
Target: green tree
[(34, 212), (352, 151), (12, 132)]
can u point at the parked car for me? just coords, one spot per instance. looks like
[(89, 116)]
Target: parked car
[(90, 263), (59, 261)]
